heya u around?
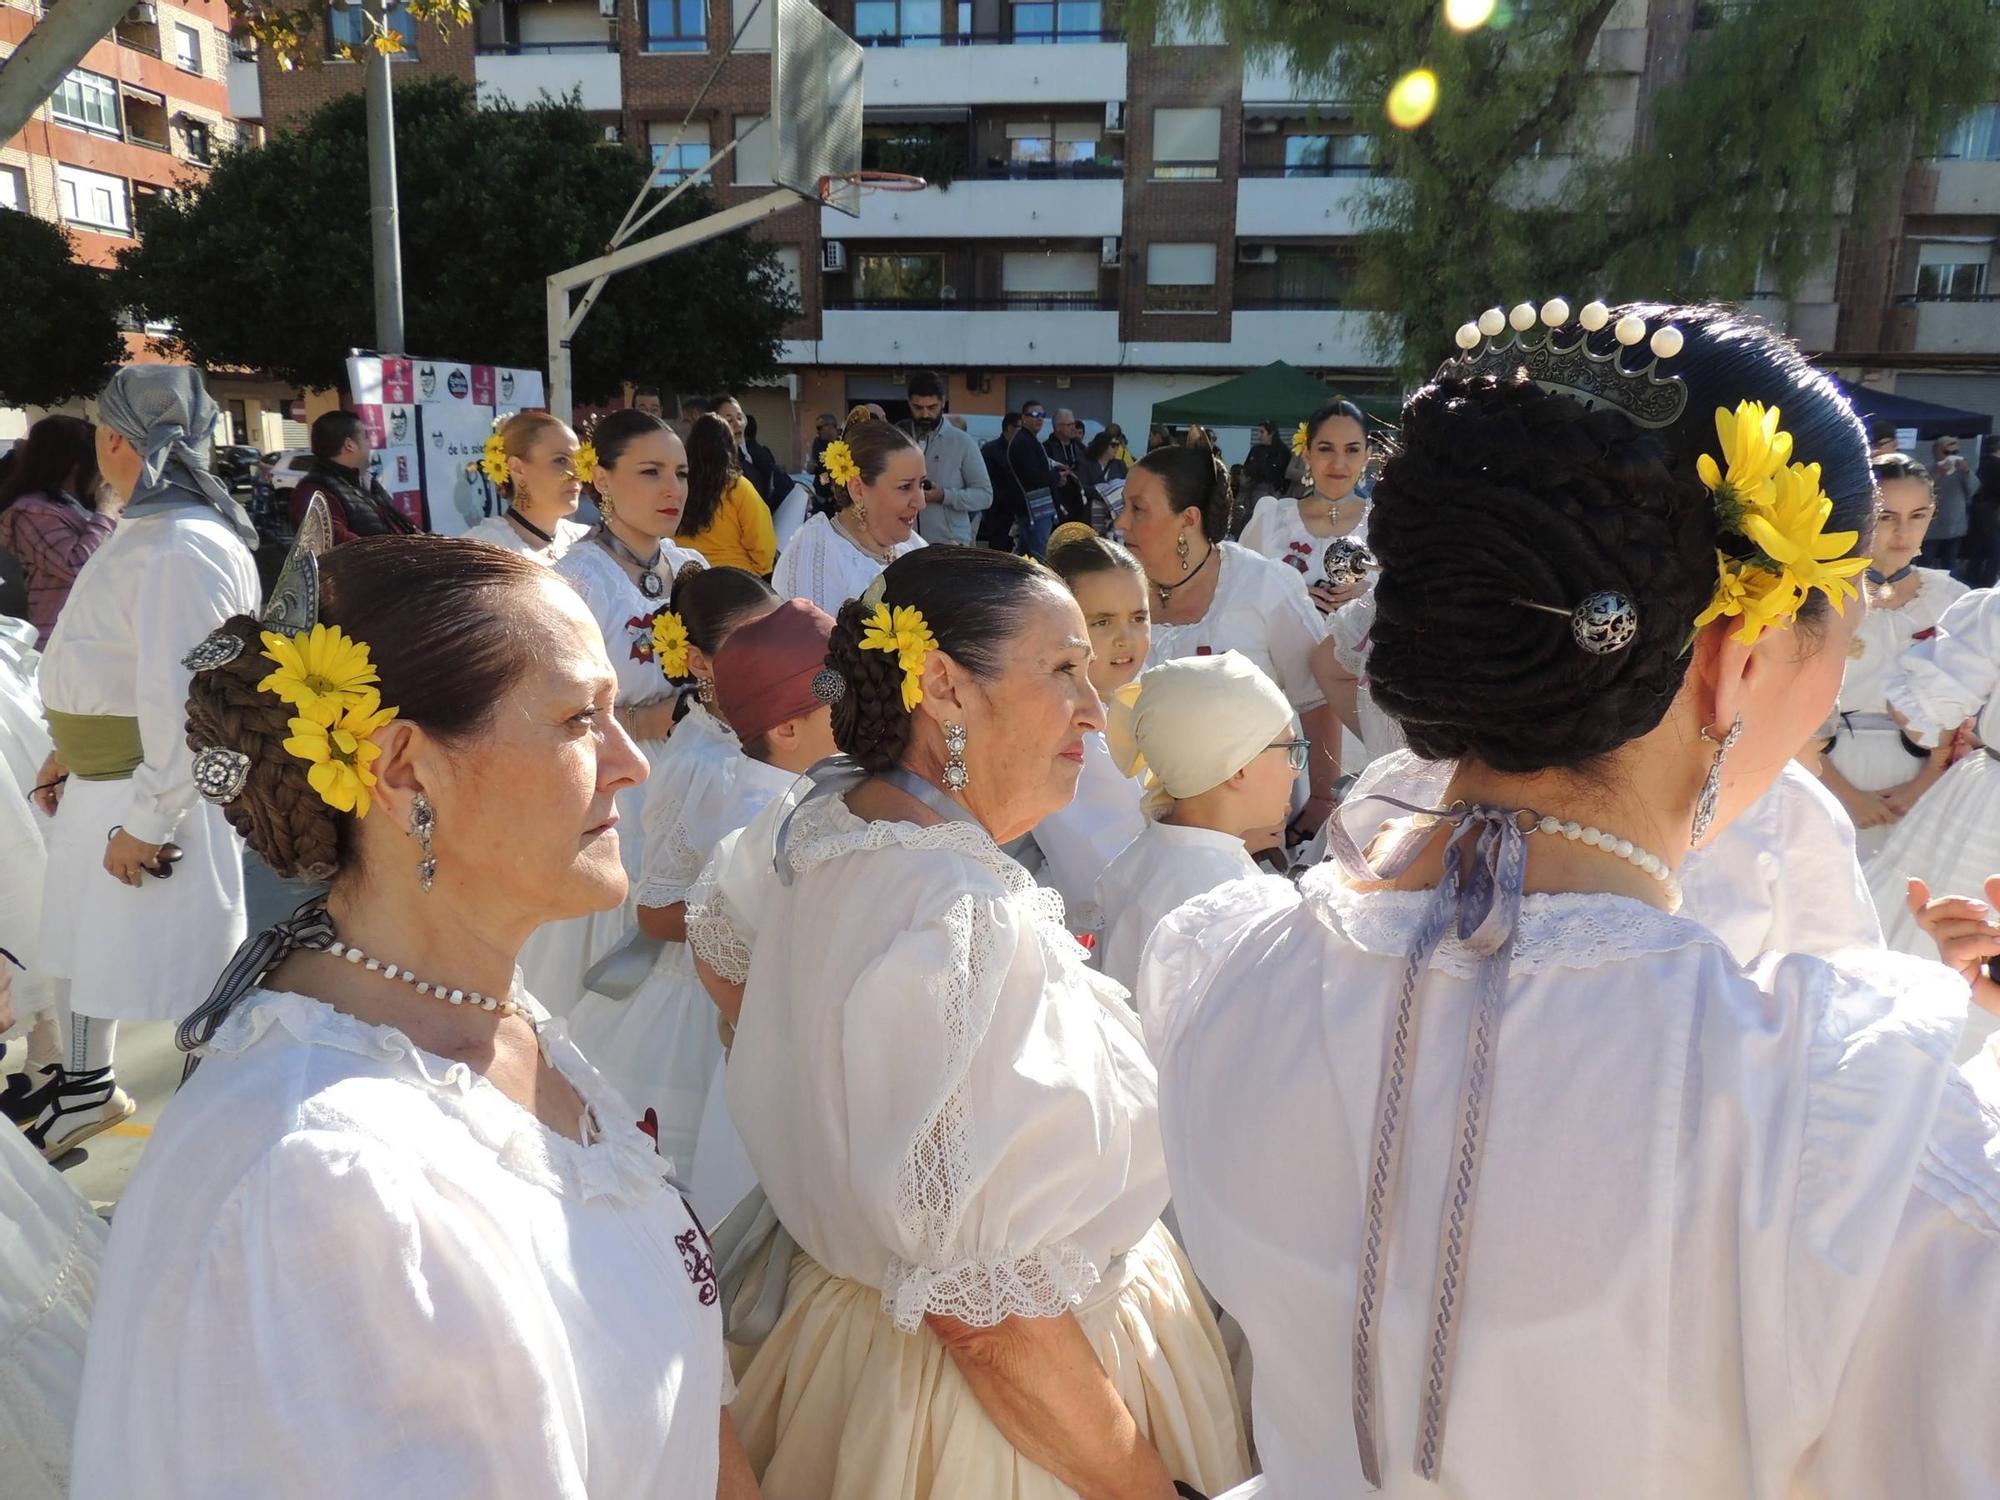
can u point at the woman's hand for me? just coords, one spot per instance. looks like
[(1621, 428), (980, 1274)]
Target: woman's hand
[(1965, 741), (131, 860), (1311, 819), (1867, 809), (1328, 598), (1900, 799), (1967, 933), (48, 791)]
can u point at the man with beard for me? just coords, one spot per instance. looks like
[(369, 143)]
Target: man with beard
[(355, 499), (957, 490)]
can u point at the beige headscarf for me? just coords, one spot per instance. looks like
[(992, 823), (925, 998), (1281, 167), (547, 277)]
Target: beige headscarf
[(1191, 724)]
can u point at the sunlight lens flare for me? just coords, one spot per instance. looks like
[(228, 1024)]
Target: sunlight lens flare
[(1467, 15), (1413, 99)]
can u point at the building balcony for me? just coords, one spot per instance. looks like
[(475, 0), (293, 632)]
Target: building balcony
[(1050, 331), (1957, 325), (1309, 338), (246, 90), (980, 208), (906, 76), (1295, 204), (523, 71), (1967, 187)]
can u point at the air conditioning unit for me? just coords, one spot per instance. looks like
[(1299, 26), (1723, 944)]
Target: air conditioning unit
[(1262, 125), (832, 256), (1256, 255), (614, 135), (1114, 116), (608, 9), (1113, 249), (145, 13)]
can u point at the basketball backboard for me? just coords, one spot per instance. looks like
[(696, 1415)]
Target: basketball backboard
[(815, 105)]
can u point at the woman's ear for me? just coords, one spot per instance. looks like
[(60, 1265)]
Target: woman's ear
[(700, 663), (406, 766), (946, 687), (1726, 673)]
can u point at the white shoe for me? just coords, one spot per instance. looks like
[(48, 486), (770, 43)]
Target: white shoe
[(82, 1106)]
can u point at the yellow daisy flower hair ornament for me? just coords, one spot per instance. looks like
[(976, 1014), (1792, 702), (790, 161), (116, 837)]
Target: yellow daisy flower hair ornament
[(493, 459), (1301, 439), (586, 463), (901, 632), (1773, 513), (670, 644), (838, 464)]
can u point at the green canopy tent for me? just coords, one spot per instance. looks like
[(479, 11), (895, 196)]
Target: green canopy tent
[(1278, 393)]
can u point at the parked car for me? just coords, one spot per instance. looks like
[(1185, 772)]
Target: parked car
[(237, 465), (278, 475)]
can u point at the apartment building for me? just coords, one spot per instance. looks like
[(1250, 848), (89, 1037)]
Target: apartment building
[(142, 114)]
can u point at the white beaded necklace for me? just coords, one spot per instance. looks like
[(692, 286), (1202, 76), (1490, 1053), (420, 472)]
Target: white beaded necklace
[(1610, 843), (506, 1007)]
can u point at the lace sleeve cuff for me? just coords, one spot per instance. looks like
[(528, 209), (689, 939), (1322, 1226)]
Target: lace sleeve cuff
[(1051, 1281), (715, 938), (1929, 719), (656, 892)]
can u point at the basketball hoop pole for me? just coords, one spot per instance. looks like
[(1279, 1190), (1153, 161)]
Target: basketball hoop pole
[(563, 322)]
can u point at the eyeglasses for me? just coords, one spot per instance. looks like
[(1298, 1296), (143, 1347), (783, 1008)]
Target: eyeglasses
[(1295, 753), (1035, 414)]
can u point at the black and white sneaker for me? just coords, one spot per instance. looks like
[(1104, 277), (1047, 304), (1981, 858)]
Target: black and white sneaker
[(82, 1105), (24, 1094)]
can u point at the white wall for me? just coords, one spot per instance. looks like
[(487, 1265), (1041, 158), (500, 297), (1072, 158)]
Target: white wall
[(1087, 72), (985, 210)]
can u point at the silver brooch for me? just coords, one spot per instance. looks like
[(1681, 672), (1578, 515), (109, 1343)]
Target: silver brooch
[(220, 774), (1346, 562), (1606, 622), (828, 686), (218, 649)]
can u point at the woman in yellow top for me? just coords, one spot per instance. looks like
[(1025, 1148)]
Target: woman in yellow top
[(726, 520)]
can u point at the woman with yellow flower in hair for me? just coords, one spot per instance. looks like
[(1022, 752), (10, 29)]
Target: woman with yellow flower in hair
[(540, 470), (646, 1020), (1333, 441), (877, 476), (947, 1109), (1518, 1182)]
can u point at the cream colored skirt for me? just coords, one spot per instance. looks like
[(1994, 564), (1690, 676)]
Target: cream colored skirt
[(840, 1405)]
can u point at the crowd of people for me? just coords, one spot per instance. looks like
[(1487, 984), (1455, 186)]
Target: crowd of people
[(999, 992)]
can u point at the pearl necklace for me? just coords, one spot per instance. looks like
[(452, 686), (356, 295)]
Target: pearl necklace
[(507, 1007), (1610, 843)]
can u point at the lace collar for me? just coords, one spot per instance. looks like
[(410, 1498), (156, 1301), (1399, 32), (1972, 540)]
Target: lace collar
[(619, 1162), (1555, 931)]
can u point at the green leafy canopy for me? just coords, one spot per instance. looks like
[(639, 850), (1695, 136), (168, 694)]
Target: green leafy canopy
[(267, 265), (62, 341), (1777, 118)]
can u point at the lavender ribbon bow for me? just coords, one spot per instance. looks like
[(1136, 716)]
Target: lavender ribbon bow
[(1484, 868)]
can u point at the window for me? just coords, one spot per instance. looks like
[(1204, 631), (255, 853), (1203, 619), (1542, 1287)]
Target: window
[(677, 152), (200, 141), (93, 200), (14, 189), (894, 23), (146, 119), (1944, 281), (187, 48), (788, 264), (1976, 137), (1037, 22), (86, 100), (754, 134), (1180, 277), (1328, 155), (1186, 142), (899, 278), (676, 26), (347, 26), (1052, 278), (1038, 143)]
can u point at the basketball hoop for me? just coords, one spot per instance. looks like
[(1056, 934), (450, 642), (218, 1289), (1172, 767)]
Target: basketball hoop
[(843, 190)]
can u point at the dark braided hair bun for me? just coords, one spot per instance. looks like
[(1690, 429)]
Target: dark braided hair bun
[(1196, 479), (449, 632), (973, 599), (1500, 491)]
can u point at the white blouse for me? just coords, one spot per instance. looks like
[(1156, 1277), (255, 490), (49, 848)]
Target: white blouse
[(1277, 531), (941, 1101), (349, 1267), (1350, 627), (1885, 634), (156, 587), (819, 563), (1731, 1227), (694, 755), (1941, 682), (1783, 877), (1260, 608), (1079, 840), (1164, 867), (624, 614), (497, 531)]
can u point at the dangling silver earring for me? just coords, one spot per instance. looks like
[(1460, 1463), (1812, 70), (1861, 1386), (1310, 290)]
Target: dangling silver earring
[(1181, 546), (955, 774), (1711, 789), (704, 689), (423, 822)]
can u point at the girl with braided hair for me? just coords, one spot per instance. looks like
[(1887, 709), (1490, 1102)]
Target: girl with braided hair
[(1519, 1182), (412, 1241), (947, 1109)]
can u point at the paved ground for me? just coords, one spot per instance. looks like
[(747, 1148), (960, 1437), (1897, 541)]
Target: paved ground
[(149, 1067)]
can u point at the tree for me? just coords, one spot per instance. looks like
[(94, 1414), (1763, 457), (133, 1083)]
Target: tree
[(1784, 114), (267, 264), (62, 341)]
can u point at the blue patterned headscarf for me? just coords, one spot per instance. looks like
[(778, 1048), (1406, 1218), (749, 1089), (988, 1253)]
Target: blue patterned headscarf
[(166, 413)]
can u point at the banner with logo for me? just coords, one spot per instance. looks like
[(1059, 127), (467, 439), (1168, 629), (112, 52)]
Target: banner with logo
[(428, 421)]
